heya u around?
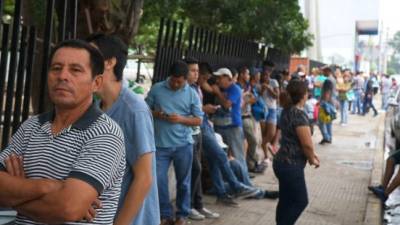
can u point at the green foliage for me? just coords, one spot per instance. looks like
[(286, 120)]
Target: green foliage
[(9, 7), (275, 22)]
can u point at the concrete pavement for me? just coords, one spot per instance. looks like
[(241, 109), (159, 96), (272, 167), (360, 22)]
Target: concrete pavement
[(338, 192)]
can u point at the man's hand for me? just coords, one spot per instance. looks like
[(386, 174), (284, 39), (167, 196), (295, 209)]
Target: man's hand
[(215, 89), (15, 166), (210, 109), (91, 213), (174, 118)]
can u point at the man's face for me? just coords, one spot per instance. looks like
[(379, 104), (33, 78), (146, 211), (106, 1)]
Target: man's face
[(193, 73), (70, 79), (267, 70), (177, 83), (246, 75), (224, 81)]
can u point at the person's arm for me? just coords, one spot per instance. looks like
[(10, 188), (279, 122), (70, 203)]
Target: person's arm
[(138, 189), (64, 205), (16, 190), (304, 134), (185, 120), (226, 103)]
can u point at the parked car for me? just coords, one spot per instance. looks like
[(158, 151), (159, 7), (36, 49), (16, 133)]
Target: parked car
[(392, 120)]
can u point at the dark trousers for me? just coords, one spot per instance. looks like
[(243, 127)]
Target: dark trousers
[(293, 198), (197, 192), (368, 103)]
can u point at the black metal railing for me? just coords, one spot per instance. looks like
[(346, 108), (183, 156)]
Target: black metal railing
[(176, 41)]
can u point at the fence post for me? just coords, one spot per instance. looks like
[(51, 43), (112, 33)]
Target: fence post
[(46, 53), (12, 73)]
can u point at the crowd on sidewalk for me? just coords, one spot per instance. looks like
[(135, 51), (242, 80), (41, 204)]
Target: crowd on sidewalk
[(117, 149)]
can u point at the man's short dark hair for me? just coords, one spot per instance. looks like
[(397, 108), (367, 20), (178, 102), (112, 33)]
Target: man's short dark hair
[(243, 69), (205, 68), (179, 69), (95, 56), (112, 46), (191, 60)]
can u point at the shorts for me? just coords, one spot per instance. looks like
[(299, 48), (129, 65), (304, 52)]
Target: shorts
[(272, 116), (395, 156)]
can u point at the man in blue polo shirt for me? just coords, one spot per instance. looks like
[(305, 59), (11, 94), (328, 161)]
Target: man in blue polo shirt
[(139, 198), (176, 108)]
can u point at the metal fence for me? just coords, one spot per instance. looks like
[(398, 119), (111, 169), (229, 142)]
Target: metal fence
[(176, 41), (19, 59)]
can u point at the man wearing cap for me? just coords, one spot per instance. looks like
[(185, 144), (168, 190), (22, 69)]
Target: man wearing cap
[(176, 109), (229, 122)]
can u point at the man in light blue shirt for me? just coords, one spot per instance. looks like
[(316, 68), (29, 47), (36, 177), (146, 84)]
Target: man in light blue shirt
[(176, 108), (138, 202)]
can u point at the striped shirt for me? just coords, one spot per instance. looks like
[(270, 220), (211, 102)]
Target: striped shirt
[(92, 150)]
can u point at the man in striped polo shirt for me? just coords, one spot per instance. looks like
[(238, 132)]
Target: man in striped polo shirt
[(66, 166)]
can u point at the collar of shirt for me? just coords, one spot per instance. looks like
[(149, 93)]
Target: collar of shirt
[(87, 119)]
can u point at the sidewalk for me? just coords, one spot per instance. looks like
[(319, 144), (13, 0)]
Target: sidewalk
[(338, 192)]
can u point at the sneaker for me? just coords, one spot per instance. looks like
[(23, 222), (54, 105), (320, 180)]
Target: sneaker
[(208, 214), (227, 200), (322, 142), (271, 194), (379, 192), (196, 215), (246, 192)]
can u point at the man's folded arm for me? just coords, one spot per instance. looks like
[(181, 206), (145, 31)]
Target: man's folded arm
[(70, 203), (16, 190)]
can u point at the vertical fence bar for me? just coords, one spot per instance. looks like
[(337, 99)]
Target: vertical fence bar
[(46, 53), (3, 64), (1, 10), (190, 39), (196, 39), (20, 81), (157, 63), (28, 77), (74, 17), (180, 40), (12, 73), (62, 20)]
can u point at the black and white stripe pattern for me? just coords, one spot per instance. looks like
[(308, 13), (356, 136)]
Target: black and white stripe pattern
[(95, 154)]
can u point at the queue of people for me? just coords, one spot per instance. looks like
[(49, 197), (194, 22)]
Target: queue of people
[(117, 148)]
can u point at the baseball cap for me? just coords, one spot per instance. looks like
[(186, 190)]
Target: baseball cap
[(223, 71)]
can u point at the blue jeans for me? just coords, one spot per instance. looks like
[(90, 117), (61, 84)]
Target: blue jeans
[(357, 102), (218, 162), (385, 98), (233, 137), (182, 157), (368, 103), (293, 197), (343, 111), (326, 130)]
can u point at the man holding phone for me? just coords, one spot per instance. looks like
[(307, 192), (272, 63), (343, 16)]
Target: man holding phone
[(176, 108)]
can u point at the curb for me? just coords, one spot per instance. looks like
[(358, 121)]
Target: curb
[(374, 212)]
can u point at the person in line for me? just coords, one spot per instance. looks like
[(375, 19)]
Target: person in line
[(327, 110), (295, 150), (369, 98), (173, 122), (74, 147), (138, 202), (216, 157), (198, 211), (270, 93), (389, 183)]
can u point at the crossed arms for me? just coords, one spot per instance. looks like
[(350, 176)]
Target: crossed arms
[(46, 200)]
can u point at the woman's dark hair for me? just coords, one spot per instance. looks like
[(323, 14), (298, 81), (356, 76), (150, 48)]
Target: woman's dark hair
[(294, 93), (112, 46), (96, 58), (191, 60)]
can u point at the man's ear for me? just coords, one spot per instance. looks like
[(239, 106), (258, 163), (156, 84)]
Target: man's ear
[(110, 63), (97, 83)]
